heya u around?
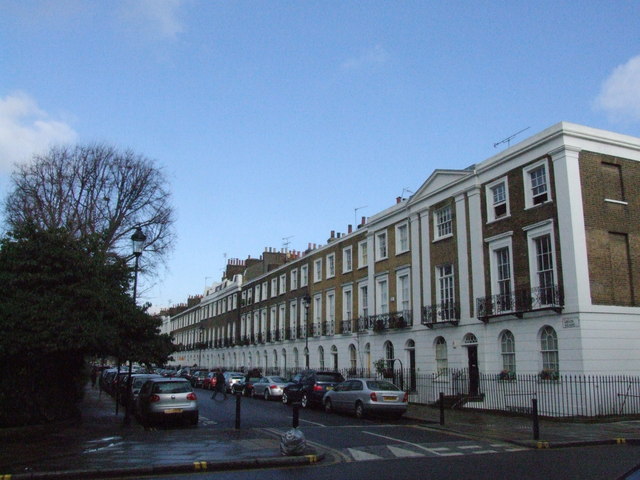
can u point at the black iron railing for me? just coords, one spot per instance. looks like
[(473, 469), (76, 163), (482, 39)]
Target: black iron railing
[(445, 312), (520, 301)]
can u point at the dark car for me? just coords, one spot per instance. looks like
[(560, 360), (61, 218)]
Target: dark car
[(245, 386), (197, 378), (309, 387)]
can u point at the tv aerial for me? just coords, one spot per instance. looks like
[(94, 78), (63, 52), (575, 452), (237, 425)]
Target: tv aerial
[(508, 139)]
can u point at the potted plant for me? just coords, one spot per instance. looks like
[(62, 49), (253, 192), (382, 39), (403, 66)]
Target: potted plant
[(506, 375), (548, 374)]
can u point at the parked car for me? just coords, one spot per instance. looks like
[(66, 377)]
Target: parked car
[(362, 396), (209, 382), (167, 398), (198, 377), (231, 378), (269, 387), (137, 380), (309, 387), (245, 386)]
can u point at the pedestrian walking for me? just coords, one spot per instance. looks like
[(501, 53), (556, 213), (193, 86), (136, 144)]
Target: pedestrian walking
[(94, 376), (220, 392)]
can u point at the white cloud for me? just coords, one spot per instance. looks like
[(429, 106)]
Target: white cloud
[(25, 129), (157, 17), (620, 94), (374, 56)]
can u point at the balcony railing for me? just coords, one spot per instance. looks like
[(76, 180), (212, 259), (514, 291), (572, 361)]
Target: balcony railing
[(445, 312), (520, 301), (391, 321)]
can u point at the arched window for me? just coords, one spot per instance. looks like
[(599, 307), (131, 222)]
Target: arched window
[(508, 349), (353, 358), (389, 354), (284, 361), (334, 356), (296, 361), (321, 357), (275, 359), (549, 351), (442, 362)]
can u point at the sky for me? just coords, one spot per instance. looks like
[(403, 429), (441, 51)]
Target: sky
[(276, 122)]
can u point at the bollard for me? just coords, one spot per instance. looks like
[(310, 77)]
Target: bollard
[(238, 400), (534, 413), (441, 408), (296, 414)]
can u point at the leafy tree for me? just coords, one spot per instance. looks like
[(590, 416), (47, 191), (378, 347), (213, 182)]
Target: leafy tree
[(95, 191), (63, 300)]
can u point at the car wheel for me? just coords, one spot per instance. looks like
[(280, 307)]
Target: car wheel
[(328, 406), (304, 401), (266, 395), (285, 398), (359, 411)]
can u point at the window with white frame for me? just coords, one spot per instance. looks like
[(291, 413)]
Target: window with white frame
[(402, 238), (508, 350), (304, 275), (389, 354), (321, 357), (542, 262), (501, 272), (282, 318), (381, 246), (382, 295), (249, 298), (536, 184), (443, 221), (442, 361), (265, 291), (403, 291), (283, 283), (317, 270), (363, 303), (331, 313), (317, 314), (257, 290), (353, 357), (294, 279), (347, 259), (331, 265), (274, 287), (445, 293), (363, 254), (549, 352), (293, 318), (347, 304), (497, 199)]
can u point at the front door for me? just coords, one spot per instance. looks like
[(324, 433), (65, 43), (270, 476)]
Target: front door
[(474, 373)]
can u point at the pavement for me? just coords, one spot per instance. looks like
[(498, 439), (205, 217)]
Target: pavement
[(100, 446)]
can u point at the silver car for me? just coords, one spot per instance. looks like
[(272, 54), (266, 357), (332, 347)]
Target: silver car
[(269, 387), (167, 398), (363, 396), (232, 378)]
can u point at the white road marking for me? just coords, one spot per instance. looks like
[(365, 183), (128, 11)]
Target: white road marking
[(359, 455), (401, 452)]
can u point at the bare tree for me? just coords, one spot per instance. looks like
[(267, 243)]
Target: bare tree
[(99, 191)]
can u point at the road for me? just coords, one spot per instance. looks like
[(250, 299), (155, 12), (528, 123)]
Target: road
[(404, 448)]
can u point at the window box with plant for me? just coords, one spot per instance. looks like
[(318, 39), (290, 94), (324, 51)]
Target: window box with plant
[(506, 375), (548, 374)]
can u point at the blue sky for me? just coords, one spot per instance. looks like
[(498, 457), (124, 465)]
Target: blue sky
[(276, 119)]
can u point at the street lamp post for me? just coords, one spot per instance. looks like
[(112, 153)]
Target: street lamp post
[(137, 240), (306, 300)]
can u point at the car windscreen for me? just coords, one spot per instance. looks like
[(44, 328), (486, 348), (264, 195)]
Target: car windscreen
[(278, 380), (329, 377), (172, 387), (381, 385)]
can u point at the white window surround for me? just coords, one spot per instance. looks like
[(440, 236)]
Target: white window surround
[(274, 287), (491, 204), (496, 243), (347, 303), (363, 299), (347, 259), (363, 254), (526, 177), (402, 238), (403, 290), (443, 223), (294, 279), (265, 290), (283, 284), (382, 251), (304, 275), (382, 294), (317, 270), (535, 231), (331, 265)]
